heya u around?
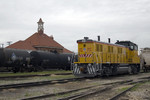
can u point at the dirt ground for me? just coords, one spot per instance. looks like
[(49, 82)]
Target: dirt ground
[(142, 92)]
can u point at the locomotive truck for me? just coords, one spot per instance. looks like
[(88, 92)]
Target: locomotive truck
[(97, 58)]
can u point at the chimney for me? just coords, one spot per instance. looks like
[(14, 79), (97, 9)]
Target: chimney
[(108, 40), (98, 38), (52, 37)]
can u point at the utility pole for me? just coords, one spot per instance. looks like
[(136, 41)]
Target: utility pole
[(2, 45)]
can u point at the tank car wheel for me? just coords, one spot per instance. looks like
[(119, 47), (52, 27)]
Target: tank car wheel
[(35, 70), (21, 70), (15, 69), (30, 70)]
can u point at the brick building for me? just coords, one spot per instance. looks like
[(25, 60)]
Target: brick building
[(40, 41)]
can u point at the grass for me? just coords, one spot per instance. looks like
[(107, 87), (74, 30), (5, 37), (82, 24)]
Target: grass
[(123, 89), (137, 86), (27, 94), (34, 73), (61, 77)]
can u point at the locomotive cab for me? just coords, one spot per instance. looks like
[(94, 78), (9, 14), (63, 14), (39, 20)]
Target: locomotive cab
[(129, 44)]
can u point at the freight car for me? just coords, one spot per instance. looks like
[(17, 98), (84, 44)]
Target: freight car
[(22, 60), (96, 58), (145, 59), (48, 60), (18, 60)]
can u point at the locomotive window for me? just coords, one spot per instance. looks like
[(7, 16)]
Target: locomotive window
[(131, 47), (136, 47)]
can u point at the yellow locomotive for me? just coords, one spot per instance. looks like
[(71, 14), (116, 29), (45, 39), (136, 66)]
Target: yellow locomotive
[(100, 58)]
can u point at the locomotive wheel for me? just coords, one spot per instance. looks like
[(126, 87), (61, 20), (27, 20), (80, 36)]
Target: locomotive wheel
[(134, 70), (108, 71), (14, 71), (114, 70)]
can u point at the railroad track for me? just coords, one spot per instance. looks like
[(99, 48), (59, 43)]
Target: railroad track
[(20, 85), (117, 96), (77, 96), (103, 90), (55, 94), (122, 93), (90, 91), (94, 90), (24, 76)]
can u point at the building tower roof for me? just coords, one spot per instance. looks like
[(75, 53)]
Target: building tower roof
[(40, 26)]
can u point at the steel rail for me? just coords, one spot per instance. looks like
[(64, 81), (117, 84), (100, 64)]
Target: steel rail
[(39, 83), (122, 93), (62, 93), (87, 93), (59, 93), (84, 94), (24, 76)]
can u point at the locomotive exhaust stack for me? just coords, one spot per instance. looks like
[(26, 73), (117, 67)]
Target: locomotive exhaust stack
[(108, 40), (98, 38)]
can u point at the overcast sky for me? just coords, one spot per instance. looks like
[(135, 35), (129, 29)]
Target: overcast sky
[(70, 20)]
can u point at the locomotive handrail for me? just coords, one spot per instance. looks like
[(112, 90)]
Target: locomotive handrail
[(100, 59), (72, 60)]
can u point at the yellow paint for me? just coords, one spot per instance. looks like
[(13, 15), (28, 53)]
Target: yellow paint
[(106, 53)]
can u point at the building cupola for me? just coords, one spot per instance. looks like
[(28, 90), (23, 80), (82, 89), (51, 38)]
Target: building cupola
[(40, 26)]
